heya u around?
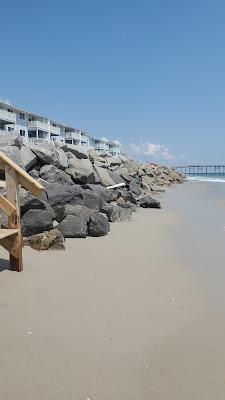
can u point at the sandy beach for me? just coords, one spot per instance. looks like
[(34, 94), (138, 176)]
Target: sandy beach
[(133, 315)]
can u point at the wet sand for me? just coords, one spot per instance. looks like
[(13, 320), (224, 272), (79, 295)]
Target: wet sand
[(138, 314)]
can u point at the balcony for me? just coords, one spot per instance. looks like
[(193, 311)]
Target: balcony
[(54, 129), (72, 135), (38, 125), (7, 116)]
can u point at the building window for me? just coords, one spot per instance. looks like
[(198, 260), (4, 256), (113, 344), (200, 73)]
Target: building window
[(10, 129), (32, 134), (68, 141), (22, 132), (22, 116)]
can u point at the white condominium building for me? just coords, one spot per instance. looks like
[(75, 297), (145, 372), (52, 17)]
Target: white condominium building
[(34, 127)]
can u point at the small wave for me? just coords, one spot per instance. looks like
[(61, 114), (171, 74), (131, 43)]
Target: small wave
[(205, 179)]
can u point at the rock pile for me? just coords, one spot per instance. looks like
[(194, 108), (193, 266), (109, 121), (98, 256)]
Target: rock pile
[(77, 201)]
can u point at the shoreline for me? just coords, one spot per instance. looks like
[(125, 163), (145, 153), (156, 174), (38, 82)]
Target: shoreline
[(117, 317)]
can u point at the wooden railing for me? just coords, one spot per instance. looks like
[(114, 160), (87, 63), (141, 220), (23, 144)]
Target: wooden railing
[(11, 238)]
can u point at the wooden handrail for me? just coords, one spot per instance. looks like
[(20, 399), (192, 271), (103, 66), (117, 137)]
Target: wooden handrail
[(11, 238), (25, 179)]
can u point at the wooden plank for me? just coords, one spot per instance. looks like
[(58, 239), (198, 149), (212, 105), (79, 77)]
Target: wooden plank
[(10, 244), (24, 178), (6, 206), (12, 189), (7, 232)]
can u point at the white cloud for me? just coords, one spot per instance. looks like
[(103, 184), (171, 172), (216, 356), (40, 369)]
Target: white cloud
[(157, 151), (4, 100)]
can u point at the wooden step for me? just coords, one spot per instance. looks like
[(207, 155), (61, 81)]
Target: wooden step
[(7, 232)]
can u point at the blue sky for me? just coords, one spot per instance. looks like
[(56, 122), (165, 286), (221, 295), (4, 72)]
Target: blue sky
[(149, 73)]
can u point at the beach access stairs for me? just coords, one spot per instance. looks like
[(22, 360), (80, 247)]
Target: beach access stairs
[(11, 237)]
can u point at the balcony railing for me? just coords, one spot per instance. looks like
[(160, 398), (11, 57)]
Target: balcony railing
[(54, 129), (7, 116), (72, 135), (38, 125), (8, 132)]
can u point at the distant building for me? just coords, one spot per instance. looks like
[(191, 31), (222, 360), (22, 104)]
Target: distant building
[(34, 127)]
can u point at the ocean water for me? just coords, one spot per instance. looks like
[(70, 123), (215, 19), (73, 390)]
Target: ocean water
[(217, 178)]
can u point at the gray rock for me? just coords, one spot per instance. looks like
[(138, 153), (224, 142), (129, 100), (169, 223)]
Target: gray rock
[(78, 152), (78, 211), (10, 139), (73, 227), (111, 211), (13, 153), (28, 158), (106, 195), (116, 178), (34, 173), (44, 155), (52, 174), (98, 225), (59, 213), (148, 202), (134, 187), (104, 176), (81, 170), (92, 200), (35, 221)]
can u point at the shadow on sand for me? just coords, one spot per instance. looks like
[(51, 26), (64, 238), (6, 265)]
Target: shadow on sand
[(4, 264)]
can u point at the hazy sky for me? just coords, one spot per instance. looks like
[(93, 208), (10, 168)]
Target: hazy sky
[(150, 73)]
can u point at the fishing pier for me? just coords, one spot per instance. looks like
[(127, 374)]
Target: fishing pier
[(201, 169)]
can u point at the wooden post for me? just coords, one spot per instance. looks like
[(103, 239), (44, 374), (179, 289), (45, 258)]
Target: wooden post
[(12, 189)]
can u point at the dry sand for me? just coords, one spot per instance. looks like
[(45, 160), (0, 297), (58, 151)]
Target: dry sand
[(115, 318)]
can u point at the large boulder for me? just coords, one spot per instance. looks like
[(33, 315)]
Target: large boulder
[(92, 200), (115, 177), (52, 239), (10, 139), (61, 194), (77, 151), (104, 176), (111, 211), (36, 221), (98, 225), (52, 174), (134, 187), (29, 202), (47, 155), (106, 195), (28, 158), (73, 227), (81, 170), (148, 202), (13, 153), (78, 211)]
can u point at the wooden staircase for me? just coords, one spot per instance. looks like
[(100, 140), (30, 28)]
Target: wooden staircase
[(11, 238)]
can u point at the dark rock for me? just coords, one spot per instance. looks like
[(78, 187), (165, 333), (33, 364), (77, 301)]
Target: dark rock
[(98, 225), (149, 202), (29, 202), (34, 173), (73, 227), (99, 190), (116, 178), (111, 211), (78, 211), (92, 200), (59, 195), (134, 187), (36, 221), (52, 174)]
